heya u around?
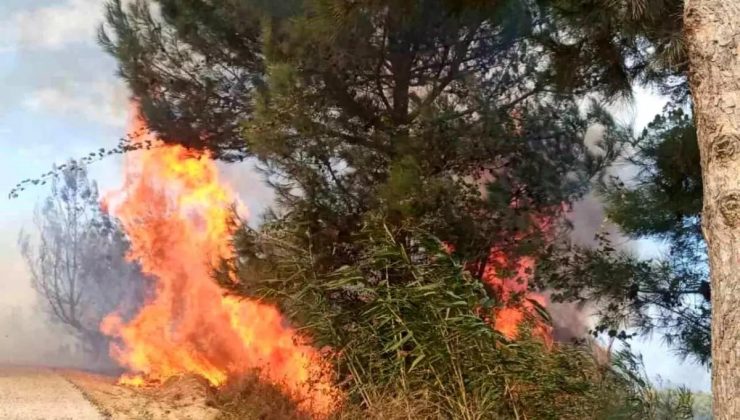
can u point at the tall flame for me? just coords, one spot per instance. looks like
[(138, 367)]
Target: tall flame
[(175, 211)]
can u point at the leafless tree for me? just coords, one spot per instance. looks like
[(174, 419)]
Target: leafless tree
[(77, 261)]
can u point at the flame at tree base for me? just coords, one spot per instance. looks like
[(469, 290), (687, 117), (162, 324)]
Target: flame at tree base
[(176, 214)]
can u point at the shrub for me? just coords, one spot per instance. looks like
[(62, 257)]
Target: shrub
[(407, 338)]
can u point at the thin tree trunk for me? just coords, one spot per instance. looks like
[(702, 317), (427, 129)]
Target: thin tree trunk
[(712, 29)]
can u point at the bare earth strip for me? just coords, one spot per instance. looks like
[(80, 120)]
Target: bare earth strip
[(31, 394), (184, 398)]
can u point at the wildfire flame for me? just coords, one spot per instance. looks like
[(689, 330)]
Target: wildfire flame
[(519, 303), (175, 211)]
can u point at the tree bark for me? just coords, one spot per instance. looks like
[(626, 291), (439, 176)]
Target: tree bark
[(712, 32)]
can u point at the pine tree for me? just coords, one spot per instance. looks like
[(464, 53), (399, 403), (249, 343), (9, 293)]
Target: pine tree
[(714, 68), (663, 201), (690, 46), (658, 197), (419, 119), (76, 259), (410, 108)]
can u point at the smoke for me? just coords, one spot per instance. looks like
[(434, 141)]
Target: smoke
[(572, 320), (26, 335), (26, 338), (249, 186)]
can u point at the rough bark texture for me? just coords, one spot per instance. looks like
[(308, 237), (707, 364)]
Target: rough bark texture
[(713, 38)]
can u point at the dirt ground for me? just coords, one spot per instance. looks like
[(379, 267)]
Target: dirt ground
[(180, 398), (37, 393)]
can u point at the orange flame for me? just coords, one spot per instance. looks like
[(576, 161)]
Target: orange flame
[(519, 303), (513, 291), (175, 211)]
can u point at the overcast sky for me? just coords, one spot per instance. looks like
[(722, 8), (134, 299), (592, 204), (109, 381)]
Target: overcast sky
[(61, 99)]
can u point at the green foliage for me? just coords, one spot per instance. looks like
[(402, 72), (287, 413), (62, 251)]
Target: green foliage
[(403, 322), (657, 404), (199, 66), (409, 108), (649, 296), (663, 201), (453, 117), (411, 140), (608, 46)]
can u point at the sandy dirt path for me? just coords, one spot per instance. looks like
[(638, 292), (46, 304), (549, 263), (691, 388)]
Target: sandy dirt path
[(31, 394), (180, 398)]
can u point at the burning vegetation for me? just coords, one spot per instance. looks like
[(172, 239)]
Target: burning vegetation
[(510, 277), (519, 303), (387, 131), (176, 213)]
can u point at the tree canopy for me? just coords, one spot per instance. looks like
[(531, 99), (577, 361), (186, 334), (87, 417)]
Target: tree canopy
[(412, 108), (337, 160), (424, 154), (431, 119), (660, 196)]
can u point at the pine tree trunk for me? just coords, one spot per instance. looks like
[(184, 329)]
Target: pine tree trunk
[(712, 29)]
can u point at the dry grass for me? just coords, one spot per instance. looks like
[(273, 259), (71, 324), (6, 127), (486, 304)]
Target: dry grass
[(249, 398), (391, 408)]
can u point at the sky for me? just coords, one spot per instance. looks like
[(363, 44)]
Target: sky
[(61, 98)]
